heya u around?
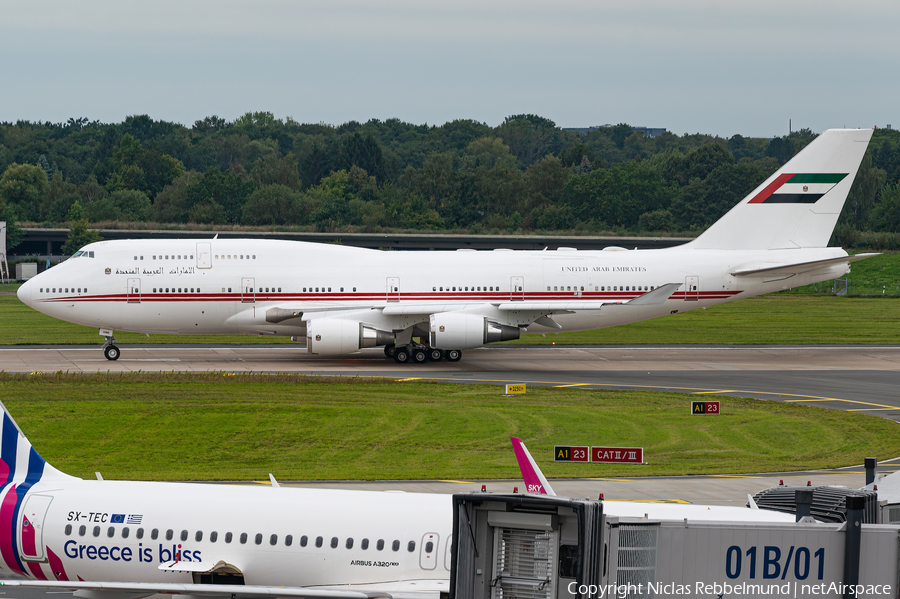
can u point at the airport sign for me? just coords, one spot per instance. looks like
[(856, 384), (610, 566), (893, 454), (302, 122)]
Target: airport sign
[(704, 407)]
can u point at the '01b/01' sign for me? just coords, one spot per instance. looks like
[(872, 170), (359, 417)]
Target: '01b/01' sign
[(604, 455)]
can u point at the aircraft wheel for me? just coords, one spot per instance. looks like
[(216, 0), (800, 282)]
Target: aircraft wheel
[(401, 356), (111, 352), (453, 355), (435, 355), (389, 350), (419, 356)]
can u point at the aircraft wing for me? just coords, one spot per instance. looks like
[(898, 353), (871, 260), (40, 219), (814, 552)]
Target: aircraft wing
[(136, 590), (747, 270)]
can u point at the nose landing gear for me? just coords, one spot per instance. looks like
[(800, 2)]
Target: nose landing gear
[(110, 349)]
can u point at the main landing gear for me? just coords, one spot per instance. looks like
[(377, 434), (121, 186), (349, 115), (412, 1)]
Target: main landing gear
[(110, 349), (416, 353)]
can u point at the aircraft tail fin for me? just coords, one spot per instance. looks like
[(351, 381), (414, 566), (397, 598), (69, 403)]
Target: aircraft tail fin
[(535, 482), (798, 206), (20, 464)]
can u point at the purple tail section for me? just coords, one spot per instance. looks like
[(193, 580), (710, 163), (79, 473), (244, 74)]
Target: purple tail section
[(20, 469), (531, 474)]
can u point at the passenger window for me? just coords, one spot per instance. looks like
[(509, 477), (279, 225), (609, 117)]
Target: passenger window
[(125, 532), (304, 540), (379, 545), (154, 534), (258, 538), (96, 531), (429, 547), (288, 540), (82, 530), (279, 290), (198, 536), (319, 541), (334, 542), (213, 536), (395, 546), (228, 537), (411, 546), (364, 544), (68, 529), (349, 543), (354, 289), (169, 534), (243, 538), (273, 540), (184, 535), (329, 290)]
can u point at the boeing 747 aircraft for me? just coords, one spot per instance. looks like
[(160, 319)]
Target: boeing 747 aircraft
[(109, 539), (433, 305)]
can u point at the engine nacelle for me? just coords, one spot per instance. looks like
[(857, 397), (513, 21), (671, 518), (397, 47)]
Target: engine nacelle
[(338, 336), (457, 330)]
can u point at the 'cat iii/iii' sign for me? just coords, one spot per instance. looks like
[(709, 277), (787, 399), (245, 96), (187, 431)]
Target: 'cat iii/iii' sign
[(606, 455)]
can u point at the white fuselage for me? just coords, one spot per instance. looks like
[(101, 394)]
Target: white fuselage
[(228, 286), (112, 530)]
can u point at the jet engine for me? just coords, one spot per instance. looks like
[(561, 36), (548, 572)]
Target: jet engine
[(457, 330), (337, 336)]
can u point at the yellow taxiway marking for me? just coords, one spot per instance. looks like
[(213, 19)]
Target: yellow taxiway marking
[(572, 385), (694, 390), (868, 409), (415, 378), (736, 476), (460, 482)]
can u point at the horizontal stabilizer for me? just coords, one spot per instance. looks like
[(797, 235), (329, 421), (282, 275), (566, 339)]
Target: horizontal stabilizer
[(655, 297), (784, 269)]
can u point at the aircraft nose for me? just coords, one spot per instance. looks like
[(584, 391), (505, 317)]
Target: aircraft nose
[(24, 292)]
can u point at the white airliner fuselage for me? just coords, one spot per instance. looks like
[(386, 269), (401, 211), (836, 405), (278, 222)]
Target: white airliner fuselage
[(340, 299)]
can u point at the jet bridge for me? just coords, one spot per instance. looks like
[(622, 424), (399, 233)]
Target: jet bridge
[(547, 547)]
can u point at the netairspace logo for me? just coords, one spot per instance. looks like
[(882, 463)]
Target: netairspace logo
[(725, 589)]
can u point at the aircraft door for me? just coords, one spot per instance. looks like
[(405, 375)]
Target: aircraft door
[(692, 288), (31, 528), (517, 288), (134, 291), (204, 254), (429, 554), (393, 289), (248, 294)]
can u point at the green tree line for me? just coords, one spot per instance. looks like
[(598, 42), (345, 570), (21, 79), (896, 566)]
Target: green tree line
[(525, 175)]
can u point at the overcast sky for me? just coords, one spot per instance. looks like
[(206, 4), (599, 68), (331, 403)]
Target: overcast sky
[(720, 67)]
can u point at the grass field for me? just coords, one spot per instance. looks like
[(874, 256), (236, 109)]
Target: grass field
[(212, 426)]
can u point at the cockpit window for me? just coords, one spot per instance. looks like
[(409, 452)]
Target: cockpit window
[(76, 254)]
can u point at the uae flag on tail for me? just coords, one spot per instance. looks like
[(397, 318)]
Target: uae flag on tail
[(797, 188)]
